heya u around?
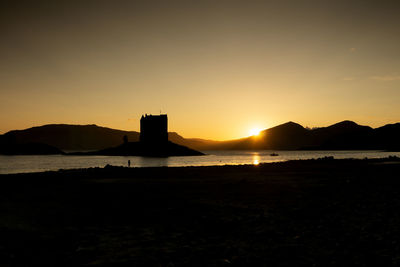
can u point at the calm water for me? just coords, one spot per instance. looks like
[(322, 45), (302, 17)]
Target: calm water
[(19, 164)]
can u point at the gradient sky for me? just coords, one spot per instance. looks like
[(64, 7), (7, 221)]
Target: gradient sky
[(217, 68)]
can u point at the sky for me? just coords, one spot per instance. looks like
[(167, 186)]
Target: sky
[(218, 68)]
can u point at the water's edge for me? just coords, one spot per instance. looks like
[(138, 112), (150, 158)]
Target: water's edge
[(24, 164)]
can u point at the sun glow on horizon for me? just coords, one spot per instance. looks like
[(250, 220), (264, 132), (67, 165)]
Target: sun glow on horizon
[(254, 131)]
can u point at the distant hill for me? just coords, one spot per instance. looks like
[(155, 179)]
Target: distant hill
[(288, 136), (195, 143), (342, 135), (71, 137), (345, 135), (388, 137)]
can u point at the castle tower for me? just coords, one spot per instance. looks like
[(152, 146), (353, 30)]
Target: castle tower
[(154, 129)]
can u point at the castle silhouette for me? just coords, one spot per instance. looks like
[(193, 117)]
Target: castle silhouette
[(154, 129), (153, 141)]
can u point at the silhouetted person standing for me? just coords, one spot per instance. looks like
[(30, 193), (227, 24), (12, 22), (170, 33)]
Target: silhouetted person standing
[(129, 163)]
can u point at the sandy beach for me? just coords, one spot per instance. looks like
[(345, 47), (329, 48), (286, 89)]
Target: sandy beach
[(298, 213)]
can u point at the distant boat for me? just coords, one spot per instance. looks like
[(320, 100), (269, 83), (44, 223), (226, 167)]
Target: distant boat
[(273, 154)]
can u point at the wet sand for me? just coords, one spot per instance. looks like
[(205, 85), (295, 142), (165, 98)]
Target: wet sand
[(298, 213)]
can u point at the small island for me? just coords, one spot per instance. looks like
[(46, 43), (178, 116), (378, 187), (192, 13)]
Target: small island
[(153, 142)]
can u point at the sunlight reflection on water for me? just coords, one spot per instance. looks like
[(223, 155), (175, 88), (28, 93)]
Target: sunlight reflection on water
[(256, 158)]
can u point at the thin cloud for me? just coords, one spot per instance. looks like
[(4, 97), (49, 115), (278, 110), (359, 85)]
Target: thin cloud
[(353, 49), (349, 79), (386, 78)]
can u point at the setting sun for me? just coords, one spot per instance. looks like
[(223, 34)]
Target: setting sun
[(255, 131)]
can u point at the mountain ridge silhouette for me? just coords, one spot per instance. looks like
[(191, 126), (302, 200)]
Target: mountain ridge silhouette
[(344, 135)]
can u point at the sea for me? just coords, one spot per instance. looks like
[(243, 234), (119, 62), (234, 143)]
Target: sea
[(40, 163)]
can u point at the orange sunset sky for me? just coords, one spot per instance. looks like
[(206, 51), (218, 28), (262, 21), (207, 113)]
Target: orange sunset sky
[(217, 68)]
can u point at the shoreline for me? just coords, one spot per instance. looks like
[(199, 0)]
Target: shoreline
[(297, 213), (115, 167)]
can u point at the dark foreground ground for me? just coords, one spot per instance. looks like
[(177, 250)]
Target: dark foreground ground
[(301, 213)]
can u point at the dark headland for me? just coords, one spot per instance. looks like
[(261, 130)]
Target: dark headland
[(166, 149), (298, 213)]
